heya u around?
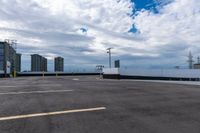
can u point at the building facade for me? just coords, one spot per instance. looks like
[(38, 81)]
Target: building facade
[(6, 61), (59, 64), (44, 64), (18, 62), (2, 57), (8, 57), (38, 63)]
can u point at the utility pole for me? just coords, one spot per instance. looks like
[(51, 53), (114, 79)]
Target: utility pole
[(109, 52)]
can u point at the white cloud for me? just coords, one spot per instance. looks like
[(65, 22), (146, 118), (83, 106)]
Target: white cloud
[(53, 28), (107, 14), (177, 22)]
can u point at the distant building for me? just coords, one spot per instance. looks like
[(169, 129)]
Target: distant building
[(38, 63), (44, 64), (117, 64), (2, 58), (196, 66), (59, 64), (18, 62), (8, 58)]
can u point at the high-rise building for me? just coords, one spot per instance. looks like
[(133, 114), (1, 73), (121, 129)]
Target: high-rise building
[(7, 58), (38, 63), (44, 64), (59, 64), (2, 59), (18, 62)]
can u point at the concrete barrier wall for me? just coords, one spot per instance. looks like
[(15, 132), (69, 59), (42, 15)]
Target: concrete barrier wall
[(169, 73), (111, 71), (176, 73), (21, 74), (187, 73), (1, 72), (141, 72)]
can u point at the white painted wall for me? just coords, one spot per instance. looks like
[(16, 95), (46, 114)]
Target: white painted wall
[(142, 72), (176, 73), (1, 72), (111, 71)]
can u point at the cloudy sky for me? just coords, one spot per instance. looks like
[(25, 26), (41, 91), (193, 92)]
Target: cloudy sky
[(142, 33)]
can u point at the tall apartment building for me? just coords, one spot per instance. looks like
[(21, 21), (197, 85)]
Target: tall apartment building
[(18, 62), (38, 63), (8, 58), (1, 56), (44, 64), (59, 64)]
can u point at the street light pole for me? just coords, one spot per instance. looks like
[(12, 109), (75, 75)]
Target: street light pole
[(109, 52)]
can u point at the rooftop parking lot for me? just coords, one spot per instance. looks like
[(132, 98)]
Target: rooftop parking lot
[(87, 104)]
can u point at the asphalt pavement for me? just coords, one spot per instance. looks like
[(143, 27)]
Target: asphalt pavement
[(87, 104)]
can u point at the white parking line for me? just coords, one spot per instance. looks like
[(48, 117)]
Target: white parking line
[(51, 113), (42, 85), (76, 79), (168, 81), (8, 86), (32, 92)]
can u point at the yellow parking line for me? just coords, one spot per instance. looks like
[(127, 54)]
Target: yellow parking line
[(51, 113)]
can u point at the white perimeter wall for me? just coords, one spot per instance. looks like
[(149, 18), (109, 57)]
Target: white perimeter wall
[(1, 72), (179, 73), (111, 71)]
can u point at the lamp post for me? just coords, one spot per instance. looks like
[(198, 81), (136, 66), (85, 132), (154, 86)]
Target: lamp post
[(109, 52)]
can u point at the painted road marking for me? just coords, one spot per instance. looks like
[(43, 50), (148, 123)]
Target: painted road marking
[(75, 79), (51, 113), (42, 85), (8, 86), (32, 92)]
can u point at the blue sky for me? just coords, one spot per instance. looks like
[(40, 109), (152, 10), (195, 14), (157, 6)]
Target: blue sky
[(144, 4), (143, 33), (139, 5)]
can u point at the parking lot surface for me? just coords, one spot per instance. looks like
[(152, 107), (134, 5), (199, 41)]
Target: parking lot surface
[(87, 104)]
